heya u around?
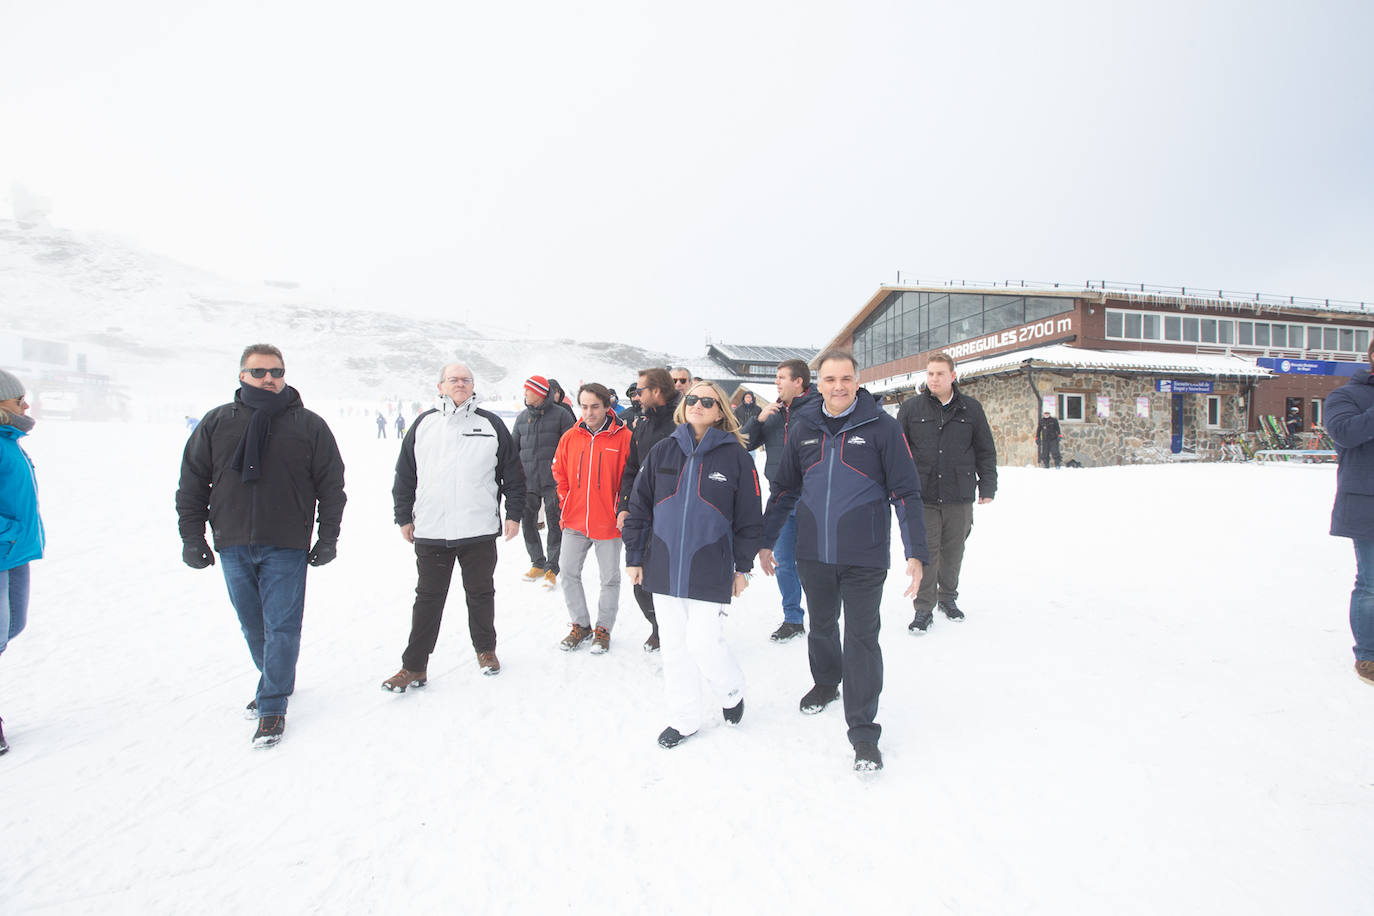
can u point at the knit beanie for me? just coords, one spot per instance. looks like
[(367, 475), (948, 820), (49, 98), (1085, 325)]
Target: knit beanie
[(538, 384), (10, 386)]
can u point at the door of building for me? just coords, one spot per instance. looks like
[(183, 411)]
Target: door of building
[(1176, 423)]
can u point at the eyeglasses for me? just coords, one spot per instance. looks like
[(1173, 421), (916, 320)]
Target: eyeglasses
[(277, 372), (692, 400), (458, 381)]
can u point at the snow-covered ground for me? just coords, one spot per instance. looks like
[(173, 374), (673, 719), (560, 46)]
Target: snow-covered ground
[(1150, 709)]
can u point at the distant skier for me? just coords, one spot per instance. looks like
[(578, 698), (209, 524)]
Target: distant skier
[(400, 425), (1292, 425), (1047, 440), (381, 425), (21, 528)]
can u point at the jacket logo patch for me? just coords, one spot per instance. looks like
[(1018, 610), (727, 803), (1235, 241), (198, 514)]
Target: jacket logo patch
[(857, 440), (717, 476), (810, 441)]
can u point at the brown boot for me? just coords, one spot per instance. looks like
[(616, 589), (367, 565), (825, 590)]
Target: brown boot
[(402, 679), (488, 663), (601, 641), (1365, 671), (576, 638)]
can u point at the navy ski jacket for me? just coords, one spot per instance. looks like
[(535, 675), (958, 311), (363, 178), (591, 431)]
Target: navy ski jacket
[(1349, 418), (695, 516), (841, 486)]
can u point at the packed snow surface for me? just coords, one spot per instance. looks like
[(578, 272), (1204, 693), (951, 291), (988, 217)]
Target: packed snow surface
[(1150, 709)]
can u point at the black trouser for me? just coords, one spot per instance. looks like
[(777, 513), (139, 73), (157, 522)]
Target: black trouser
[(552, 524), (947, 528), (645, 600), (859, 665), (434, 565), (1049, 449)]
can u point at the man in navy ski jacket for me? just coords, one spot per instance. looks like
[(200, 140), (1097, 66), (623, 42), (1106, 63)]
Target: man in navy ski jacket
[(1349, 416), (845, 461)]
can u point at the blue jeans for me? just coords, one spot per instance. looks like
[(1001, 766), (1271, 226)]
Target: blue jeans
[(1362, 600), (789, 583), (267, 589), (14, 603)]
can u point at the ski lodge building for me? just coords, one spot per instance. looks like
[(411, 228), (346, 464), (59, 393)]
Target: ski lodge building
[(1135, 374)]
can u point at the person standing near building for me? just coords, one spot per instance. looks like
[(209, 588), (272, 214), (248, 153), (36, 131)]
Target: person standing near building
[(955, 456), (256, 469), (1047, 440), (844, 462), (1292, 425), (747, 409), (587, 469), (21, 527), (659, 399), (693, 529), (538, 429), (457, 463), (1349, 419), (769, 429)]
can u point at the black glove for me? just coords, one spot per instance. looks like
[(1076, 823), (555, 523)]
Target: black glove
[(323, 552), (197, 554)]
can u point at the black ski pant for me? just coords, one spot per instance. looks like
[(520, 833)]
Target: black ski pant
[(434, 566), (645, 600), (553, 526), (858, 663)]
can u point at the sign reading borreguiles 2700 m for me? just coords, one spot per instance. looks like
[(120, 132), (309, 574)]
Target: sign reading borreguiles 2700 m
[(1037, 331)]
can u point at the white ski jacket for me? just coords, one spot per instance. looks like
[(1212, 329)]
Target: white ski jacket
[(456, 463)]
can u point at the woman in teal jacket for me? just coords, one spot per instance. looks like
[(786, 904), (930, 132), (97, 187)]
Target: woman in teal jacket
[(21, 530)]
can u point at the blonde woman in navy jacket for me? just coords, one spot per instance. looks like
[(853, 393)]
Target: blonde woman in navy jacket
[(695, 523)]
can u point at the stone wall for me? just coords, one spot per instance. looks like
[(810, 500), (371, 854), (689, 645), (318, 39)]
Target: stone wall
[(1121, 437)]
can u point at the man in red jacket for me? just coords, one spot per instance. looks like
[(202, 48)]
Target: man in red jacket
[(587, 467)]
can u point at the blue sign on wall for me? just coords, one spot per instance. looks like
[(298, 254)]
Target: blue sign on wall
[(1176, 386), (1307, 366)]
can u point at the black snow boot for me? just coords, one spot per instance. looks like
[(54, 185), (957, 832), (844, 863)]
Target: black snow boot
[(819, 697), (951, 610), (734, 713), (867, 757)]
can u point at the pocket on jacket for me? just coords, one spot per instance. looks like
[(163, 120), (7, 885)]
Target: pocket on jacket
[(968, 485)]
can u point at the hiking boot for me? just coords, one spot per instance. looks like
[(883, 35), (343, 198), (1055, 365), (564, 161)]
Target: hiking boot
[(251, 710), (788, 631), (402, 679), (534, 575), (487, 662), (269, 731), (550, 579), (817, 698), (3, 746), (651, 644), (734, 713), (921, 622), (576, 638), (671, 737), (951, 610), (1365, 671), (867, 757), (601, 641)]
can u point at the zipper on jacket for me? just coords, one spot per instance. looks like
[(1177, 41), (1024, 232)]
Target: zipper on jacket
[(829, 476), (682, 531)]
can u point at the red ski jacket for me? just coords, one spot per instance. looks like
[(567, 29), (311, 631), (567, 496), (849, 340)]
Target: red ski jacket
[(587, 468)]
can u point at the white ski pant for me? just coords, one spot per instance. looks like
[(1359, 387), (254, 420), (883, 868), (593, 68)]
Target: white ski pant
[(692, 640)]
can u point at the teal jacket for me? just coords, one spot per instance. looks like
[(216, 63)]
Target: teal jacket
[(21, 530)]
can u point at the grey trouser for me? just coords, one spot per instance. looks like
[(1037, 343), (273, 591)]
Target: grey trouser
[(575, 548), (947, 528)]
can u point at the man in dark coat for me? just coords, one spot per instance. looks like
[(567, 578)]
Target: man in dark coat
[(1047, 440), (256, 469), (658, 398), (1349, 416), (748, 408), (955, 456), (630, 413), (537, 430)]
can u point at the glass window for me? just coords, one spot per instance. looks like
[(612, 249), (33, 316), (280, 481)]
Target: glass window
[(1038, 307), (963, 330), (939, 309), (1114, 323), (1245, 333), (1149, 328), (1132, 326), (1209, 330), (1071, 408), (1173, 327), (936, 337), (1314, 337), (1213, 411), (1278, 335), (1003, 312), (964, 305), (1347, 339), (1226, 331), (1361, 341), (1261, 334), (1329, 339), (1190, 330)]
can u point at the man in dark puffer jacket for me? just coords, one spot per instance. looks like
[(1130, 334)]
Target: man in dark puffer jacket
[(537, 431), (955, 456)]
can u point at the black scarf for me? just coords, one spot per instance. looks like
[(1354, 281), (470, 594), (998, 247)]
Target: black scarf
[(266, 405)]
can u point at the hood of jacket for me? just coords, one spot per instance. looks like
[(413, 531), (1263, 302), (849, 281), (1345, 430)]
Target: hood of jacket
[(713, 438)]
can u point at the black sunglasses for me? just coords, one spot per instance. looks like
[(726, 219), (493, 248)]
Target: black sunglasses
[(707, 402), (259, 373)]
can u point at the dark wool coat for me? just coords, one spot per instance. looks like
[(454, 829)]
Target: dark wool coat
[(952, 446), (1349, 418)]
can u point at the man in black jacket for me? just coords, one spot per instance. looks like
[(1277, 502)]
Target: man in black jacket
[(271, 462), (955, 456), (1047, 440), (658, 398), (537, 430)]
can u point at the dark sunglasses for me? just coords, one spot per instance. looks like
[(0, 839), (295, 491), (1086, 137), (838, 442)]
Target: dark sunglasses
[(259, 373), (708, 403)]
